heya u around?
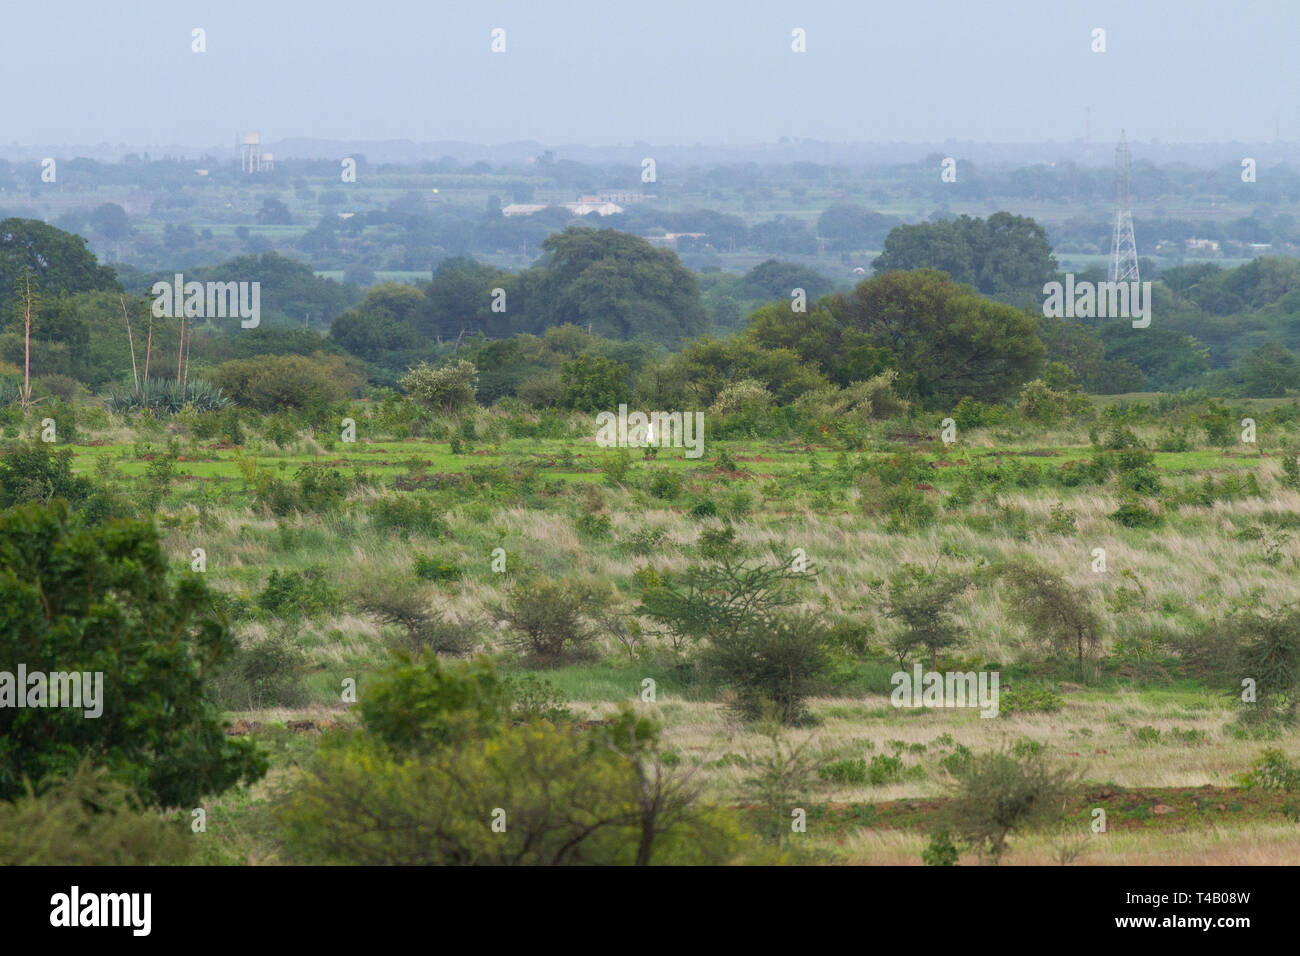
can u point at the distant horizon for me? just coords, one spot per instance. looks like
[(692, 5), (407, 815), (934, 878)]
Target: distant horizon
[(1095, 152)]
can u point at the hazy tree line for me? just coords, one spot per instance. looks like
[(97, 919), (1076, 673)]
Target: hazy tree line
[(954, 311)]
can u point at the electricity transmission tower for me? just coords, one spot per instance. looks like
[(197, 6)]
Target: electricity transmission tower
[(1123, 249)]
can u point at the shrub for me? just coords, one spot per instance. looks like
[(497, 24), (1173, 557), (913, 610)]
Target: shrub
[(644, 541), (616, 467), (550, 619), (940, 851), (590, 383), (408, 514), (844, 771), (167, 397), (1133, 514), (88, 819), (268, 674), (533, 698), (31, 471), (740, 396), (1055, 613), (1062, 520), (998, 794), (1028, 700), (1270, 654), (428, 568), (922, 602), (594, 525), (275, 382), (1272, 770), (720, 598), (665, 484), (449, 388), (394, 602), (773, 663), (885, 769), (304, 593), (706, 508), (438, 753)]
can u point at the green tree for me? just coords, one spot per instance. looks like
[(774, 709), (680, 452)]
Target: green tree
[(1055, 613), (946, 341), (438, 762), (1006, 256), (32, 471), (273, 213), (109, 220), (923, 603), (100, 600), (593, 383), (619, 285), (997, 794), (58, 260)]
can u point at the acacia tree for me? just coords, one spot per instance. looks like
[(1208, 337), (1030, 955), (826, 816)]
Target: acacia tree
[(1053, 610), (923, 602), (997, 794)]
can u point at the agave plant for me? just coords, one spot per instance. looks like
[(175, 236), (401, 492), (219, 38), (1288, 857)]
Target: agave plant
[(165, 397)]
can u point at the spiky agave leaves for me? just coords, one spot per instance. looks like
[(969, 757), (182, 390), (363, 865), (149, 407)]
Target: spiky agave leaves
[(165, 397)]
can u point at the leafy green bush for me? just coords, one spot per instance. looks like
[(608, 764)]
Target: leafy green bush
[(940, 851), (998, 794), (449, 388), (550, 620), (101, 600), (885, 769), (772, 663), (1133, 514), (1028, 700), (844, 771), (275, 382), (437, 757), (433, 569), (408, 514), (594, 525), (31, 471), (665, 484), (305, 593), (88, 819), (267, 674)]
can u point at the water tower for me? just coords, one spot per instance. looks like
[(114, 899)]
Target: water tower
[(250, 152)]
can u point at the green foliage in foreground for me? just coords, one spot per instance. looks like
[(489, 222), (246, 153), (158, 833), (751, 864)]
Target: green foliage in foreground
[(100, 601), (440, 774), (87, 819)]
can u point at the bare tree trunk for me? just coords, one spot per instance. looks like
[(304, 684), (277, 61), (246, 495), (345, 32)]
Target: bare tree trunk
[(180, 350), (135, 376), (148, 348), (27, 341)]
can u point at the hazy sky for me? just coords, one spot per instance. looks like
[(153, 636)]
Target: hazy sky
[(607, 72)]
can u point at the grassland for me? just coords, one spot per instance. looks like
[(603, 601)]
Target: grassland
[(1160, 746)]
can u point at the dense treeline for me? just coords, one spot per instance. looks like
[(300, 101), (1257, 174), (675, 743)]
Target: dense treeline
[(954, 312)]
